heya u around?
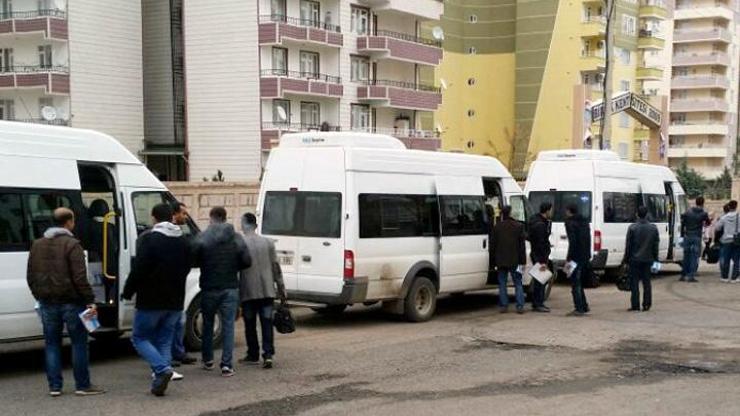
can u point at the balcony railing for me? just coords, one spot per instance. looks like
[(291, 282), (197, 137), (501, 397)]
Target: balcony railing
[(390, 131), (288, 126), (593, 54), (279, 18), (700, 81), (57, 122), (595, 19), (698, 35), (31, 14), (682, 5), (404, 85), (713, 58), (31, 69), (302, 75), (408, 38)]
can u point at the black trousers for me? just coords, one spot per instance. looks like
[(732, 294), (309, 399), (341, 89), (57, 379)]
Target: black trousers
[(640, 272)]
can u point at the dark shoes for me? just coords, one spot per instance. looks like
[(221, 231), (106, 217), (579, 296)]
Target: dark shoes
[(186, 360), (267, 364), (503, 309), (520, 311), (576, 313), (160, 383), (250, 361), (90, 391), (541, 309), (645, 308)]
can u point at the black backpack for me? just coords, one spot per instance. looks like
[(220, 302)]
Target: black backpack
[(283, 320)]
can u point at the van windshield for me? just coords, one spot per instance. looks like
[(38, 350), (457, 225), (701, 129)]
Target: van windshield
[(560, 201), (303, 214)]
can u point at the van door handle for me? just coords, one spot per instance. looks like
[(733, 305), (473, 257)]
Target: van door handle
[(485, 243), (306, 259), (327, 244)]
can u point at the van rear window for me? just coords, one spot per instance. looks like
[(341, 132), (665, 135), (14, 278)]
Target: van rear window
[(303, 214), (560, 201)]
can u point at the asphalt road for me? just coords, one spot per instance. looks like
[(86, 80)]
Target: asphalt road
[(681, 358)]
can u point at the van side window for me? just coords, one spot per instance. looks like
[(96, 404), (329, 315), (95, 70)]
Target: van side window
[(620, 207), (463, 215), (657, 206), (303, 214), (26, 214), (394, 216), (11, 223)]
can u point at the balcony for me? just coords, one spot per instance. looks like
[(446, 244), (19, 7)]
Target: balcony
[(704, 104), (651, 9), (713, 58), (700, 81), (649, 73), (594, 26), (699, 128), (697, 152), (277, 83), (425, 9), (51, 23), (386, 44), (649, 40), (57, 122), (271, 131), (398, 94), (593, 59), (275, 29), (717, 34), (413, 139), (718, 10), (52, 79)]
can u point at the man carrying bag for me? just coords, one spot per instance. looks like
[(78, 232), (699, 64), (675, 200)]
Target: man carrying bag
[(729, 225)]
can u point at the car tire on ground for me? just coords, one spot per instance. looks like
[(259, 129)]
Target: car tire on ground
[(421, 300), (330, 310), (194, 327)]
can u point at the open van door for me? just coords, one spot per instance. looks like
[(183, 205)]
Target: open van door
[(680, 205), (655, 198), (463, 253)]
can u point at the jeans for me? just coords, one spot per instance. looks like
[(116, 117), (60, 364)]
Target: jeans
[(640, 271), (152, 337), (576, 288), (503, 296), (225, 302), (729, 253), (53, 318), (263, 308), (538, 294), (691, 254), (178, 346)]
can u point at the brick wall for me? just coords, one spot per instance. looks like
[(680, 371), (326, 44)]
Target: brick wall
[(200, 197)]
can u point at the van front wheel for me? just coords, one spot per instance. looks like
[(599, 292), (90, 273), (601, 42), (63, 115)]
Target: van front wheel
[(421, 300)]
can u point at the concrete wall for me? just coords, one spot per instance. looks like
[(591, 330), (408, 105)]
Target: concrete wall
[(200, 197)]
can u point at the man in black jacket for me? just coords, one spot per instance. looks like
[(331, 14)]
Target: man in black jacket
[(221, 254), (509, 253), (693, 222), (158, 280), (640, 252), (540, 229), (579, 252)]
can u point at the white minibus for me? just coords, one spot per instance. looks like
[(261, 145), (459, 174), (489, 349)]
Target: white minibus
[(608, 192), (358, 218), (111, 193)]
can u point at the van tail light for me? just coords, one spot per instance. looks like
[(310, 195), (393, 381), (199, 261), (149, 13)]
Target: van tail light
[(349, 264), (597, 241)]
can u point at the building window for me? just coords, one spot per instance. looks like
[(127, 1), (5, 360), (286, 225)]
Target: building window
[(310, 115), (471, 113), (45, 56), (281, 112), (628, 25), (6, 59), (625, 56), (360, 70), (279, 61), (471, 81), (473, 18), (360, 23), (624, 85), (310, 13), (472, 50), (360, 117), (309, 64), (278, 9), (680, 71), (7, 110), (624, 121)]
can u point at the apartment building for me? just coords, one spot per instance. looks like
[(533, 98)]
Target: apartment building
[(554, 55), (704, 98), (76, 65)]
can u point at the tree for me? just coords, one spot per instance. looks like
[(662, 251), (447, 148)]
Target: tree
[(692, 181), (721, 188)]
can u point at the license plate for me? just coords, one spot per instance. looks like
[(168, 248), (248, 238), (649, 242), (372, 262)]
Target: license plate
[(285, 260)]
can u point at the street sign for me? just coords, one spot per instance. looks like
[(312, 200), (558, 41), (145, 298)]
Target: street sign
[(633, 104)]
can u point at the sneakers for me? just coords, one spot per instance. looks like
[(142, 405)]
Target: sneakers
[(159, 385), (209, 366), (692, 280), (723, 280), (55, 393), (250, 361), (520, 311), (175, 376), (90, 391), (735, 281), (576, 313), (227, 371), (267, 364)]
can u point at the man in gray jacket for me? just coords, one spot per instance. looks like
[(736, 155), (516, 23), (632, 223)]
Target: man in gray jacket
[(728, 226), (257, 292)]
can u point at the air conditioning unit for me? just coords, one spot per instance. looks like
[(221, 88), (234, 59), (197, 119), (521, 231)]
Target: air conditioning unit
[(600, 44)]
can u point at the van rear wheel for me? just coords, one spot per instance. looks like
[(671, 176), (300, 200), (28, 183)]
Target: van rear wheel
[(421, 300), (193, 330)]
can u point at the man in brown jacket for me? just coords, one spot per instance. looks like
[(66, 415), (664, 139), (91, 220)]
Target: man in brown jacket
[(509, 253), (57, 276)]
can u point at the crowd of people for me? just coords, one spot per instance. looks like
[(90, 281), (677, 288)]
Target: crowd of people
[(236, 271)]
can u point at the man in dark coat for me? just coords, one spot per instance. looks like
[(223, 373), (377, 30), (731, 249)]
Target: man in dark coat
[(641, 251), (693, 222), (510, 257), (579, 252), (540, 228)]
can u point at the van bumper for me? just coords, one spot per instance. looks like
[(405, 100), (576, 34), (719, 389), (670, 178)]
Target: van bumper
[(353, 291)]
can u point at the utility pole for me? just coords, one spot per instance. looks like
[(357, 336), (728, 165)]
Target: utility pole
[(607, 100)]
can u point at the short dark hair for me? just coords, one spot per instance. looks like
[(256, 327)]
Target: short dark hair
[(177, 206), (63, 216), (162, 212), (732, 205), (545, 206), (218, 214), (572, 208), (699, 201), (726, 208), (506, 211), (250, 218), (642, 211)]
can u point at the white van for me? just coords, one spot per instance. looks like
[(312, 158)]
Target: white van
[(358, 218), (608, 192), (111, 193)]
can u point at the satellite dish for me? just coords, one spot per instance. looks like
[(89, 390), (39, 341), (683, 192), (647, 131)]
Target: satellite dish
[(438, 33), (48, 113), (443, 83), (282, 115)]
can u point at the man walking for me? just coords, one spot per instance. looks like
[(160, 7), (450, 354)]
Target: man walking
[(257, 292), (692, 229), (220, 254), (57, 277), (729, 226), (158, 280), (540, 229), (179, 355), (509, 253), (579, 252), (641, 251)]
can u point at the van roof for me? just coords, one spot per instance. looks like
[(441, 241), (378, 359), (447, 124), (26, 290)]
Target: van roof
[(340, 139), (578, 154), (38, 140)]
